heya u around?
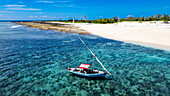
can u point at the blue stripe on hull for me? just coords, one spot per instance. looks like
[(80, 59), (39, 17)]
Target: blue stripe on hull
[(89, 75)]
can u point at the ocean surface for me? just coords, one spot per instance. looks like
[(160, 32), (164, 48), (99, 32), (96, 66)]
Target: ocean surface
[(33, 62)]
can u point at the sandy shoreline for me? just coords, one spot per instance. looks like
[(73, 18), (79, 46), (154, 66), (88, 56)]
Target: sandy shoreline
[(59, 26), (150, 34)]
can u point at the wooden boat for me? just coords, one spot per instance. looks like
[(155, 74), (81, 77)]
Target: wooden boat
[(84, 71), (87, 72)]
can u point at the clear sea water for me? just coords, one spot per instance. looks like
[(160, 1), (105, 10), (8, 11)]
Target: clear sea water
[(34, 62)]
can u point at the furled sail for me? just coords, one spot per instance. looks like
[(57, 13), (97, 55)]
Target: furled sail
[(94, 56)]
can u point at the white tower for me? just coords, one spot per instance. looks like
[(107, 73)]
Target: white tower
[(73, 19)]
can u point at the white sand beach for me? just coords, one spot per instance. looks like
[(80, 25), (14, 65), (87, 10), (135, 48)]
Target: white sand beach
[(151, 34)]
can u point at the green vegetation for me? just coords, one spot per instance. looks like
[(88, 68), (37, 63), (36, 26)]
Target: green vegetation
[(158, 17)]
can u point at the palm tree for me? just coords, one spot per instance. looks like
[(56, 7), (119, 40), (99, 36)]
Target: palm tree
[(165, 17), (155, 17), (115, 19), (142, 18), (151, 17), (159, 16)]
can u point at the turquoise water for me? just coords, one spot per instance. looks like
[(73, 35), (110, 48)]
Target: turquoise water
[(33, 63)]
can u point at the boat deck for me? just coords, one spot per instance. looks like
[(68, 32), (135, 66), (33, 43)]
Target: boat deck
[(85, 71)]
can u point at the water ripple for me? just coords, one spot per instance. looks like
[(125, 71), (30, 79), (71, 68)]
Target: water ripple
[(34, 66)]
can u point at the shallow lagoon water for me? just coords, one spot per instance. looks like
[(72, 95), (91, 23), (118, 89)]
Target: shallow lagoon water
[(34, 62)]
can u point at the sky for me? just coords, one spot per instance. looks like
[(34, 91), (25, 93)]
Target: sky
[(92, 9)]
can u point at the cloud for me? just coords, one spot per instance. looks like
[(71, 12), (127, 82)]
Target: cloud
[(33, 16), (45, 1), (44, 16), (19, 7), (68, 5), (14, 5), (6, 11), (40, 12), (41, 17), (53, 1), (63, 1), (33, 9), (130, 16), (64, 5), (65, 17)]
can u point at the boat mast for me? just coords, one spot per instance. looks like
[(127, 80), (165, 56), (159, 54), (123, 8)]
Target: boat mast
[(93, 62), (94, 56)]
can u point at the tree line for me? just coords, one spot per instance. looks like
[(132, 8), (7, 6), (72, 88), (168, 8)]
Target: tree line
[(158, 17)]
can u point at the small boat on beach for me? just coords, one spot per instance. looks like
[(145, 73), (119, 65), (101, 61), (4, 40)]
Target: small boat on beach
[(84, 70)]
